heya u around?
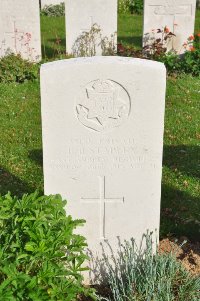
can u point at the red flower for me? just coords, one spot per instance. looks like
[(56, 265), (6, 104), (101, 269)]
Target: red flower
[(198, 34), (185, 45), (166, 29), (192, 48), (191, 38)]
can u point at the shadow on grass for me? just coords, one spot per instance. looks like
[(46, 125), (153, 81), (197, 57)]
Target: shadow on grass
[(36, 155), (135, 41), (180, 214), (9, 182), (184, 158)]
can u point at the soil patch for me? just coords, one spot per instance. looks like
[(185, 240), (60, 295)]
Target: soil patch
[(185, 251)]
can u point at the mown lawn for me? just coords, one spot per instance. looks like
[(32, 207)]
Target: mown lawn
[(21, 143)]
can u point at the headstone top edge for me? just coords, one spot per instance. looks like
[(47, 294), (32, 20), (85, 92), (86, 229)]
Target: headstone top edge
[(100, 60)]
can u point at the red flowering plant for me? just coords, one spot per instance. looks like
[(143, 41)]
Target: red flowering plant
[(192, 43), (191, 60), (157, 42), (188, 63)]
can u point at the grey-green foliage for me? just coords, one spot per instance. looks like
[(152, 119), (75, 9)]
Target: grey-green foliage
[(40, 256), (53, 10), (137, 274)]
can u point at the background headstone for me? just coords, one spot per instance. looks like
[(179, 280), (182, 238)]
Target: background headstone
[(50, 2), (177, 15), (103, 120), (20, 28), (81, 15)]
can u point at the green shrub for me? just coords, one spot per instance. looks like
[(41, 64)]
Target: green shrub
[(54, 10), (15, 69), (191, 62), (136, 6), (137, 274), (40, 256), (188, 63), (131, 6)]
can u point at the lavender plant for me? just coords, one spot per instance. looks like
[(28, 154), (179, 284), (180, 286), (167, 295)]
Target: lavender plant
[(141, 274)]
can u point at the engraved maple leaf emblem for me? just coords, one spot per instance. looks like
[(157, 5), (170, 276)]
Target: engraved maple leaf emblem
[(103, 101), (102, 106)]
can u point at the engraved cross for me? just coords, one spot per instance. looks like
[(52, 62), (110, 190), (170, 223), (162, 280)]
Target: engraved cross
[(102, 201), (15, 32), (89, 27)]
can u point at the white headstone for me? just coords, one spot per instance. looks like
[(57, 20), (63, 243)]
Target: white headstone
[(50, 2), (177, 15), (20, 28), (103, 120), (81, 15)]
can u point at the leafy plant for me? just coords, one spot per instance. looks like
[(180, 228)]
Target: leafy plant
[(156, 42), (140, 274), (40, 256), (131, 6), (136, 6), (15, 69), (188, 63), (53, 10), (156, 49), (88, 42)]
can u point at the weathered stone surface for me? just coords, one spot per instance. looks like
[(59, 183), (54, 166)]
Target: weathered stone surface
[(177, 15), (20, 28), (103, 120), (81, 15)]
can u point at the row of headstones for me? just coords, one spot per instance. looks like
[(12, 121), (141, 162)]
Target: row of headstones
[(54, 2), (20, 24)]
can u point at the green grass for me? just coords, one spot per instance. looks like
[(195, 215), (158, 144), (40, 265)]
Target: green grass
[(181, 171), (130, 30), (53, 31), (20, 136), (21, 143)]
